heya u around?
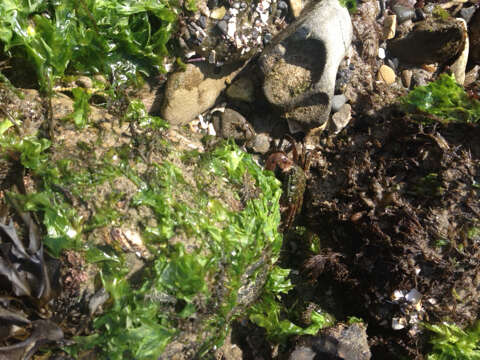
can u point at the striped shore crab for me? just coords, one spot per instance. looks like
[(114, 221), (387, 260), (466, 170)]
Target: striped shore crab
[(292, 173)]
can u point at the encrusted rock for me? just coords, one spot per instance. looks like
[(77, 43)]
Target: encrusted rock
[(232, 124), (300, 66), (260, 143), (430, 41), (190, 92)]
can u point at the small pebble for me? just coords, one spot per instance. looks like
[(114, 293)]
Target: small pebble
[(202, 22), (84, 82), (342, 118), (398, 323), (267, 38), (297, 7), (386, 74), (218, 13), (338, 101), (282, 5), (403, 13), (223, 26), (393, 63), (381, 53), (472, 75), (407, 78), (260, 143), (389, 26)]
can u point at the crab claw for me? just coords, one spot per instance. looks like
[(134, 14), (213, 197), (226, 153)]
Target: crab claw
[(279, 159)]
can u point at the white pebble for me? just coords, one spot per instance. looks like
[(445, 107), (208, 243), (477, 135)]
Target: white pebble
[(381, 53)]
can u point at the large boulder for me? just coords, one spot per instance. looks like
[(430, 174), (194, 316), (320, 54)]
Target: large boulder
[(300, 66)]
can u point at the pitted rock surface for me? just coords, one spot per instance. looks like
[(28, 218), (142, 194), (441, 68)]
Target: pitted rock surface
[(300, 66)]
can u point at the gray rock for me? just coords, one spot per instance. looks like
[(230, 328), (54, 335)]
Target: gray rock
[(430, 41), (260, 143), (341, 118), (301, 64), (472, 75), (340, 342), (232, 124), (467, 12), (403, 13), (190, 92), (338, 101)]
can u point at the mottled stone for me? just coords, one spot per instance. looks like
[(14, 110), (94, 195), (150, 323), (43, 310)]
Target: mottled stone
[(190, 92), (300, 66)]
